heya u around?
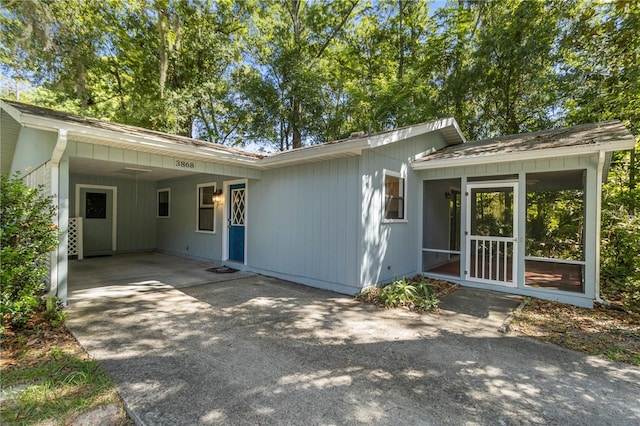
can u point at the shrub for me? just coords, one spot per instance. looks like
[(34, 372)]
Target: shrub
[(402, 293), (27, 235)]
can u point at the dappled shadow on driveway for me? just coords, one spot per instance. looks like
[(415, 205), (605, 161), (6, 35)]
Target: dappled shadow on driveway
[(263, 351)]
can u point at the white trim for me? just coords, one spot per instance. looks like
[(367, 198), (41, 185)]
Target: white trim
[(114, 224), (200, 205), (58, 254), (158, 203), (509, 157), (445, 125), (157, 143), (403, 178), (554, 260), (513, 239), (441, 251), (225, 217), (598, 230)]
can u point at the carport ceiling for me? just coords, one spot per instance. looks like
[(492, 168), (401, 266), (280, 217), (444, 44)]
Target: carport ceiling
[(88, 167)]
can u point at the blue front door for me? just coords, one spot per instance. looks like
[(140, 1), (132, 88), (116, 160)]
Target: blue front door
[(237, 215)]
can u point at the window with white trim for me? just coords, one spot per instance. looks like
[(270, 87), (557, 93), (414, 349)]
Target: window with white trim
[(164, 197), (205, 219), (394, 199)]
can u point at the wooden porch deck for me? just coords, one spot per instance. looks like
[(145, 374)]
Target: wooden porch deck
[(559, 276)]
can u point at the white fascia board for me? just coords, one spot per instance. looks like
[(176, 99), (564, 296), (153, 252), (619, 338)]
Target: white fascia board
[(13, 112), (570, 151), (411, 131), (314, 153), (123, 140)]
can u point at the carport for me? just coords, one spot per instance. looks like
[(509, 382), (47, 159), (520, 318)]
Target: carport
[(187, 346)]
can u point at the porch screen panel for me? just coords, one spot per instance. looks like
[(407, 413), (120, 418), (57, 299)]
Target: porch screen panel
[(441, 237), (555, 230)]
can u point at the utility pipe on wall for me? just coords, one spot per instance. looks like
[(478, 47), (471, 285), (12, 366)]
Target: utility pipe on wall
[(56, 156)]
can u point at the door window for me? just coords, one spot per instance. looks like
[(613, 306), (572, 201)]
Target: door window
[(237, 207), (96, 205)]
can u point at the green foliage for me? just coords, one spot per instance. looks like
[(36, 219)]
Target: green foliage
[(27, 235), (53, 311), (620, 250), (402, 293), (58, 387)]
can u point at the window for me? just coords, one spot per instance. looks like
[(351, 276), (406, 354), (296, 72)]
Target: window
[(394, 203), (96, 205), (206, 211), (163, 202)]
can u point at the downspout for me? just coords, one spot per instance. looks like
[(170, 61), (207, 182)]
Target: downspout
[(601, 158), (56, 156)]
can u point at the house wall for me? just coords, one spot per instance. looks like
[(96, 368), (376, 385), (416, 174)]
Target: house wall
[(136, 226), (33, 149), (520, 168), (392, 250), (303, 224), (177, 233)]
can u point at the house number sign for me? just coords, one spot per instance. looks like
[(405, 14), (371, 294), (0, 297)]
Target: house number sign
[(186, 164)]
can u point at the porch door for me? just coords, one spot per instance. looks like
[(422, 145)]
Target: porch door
[(236, 218), (96, 209), (491, 238)]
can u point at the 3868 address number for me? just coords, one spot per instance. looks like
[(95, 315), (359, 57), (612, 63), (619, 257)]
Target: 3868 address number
[(186, 164)]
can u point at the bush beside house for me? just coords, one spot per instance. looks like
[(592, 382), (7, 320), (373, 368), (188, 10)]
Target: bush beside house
[(27, 236)]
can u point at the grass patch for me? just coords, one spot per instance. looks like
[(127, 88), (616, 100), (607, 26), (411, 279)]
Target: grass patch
[(46, 377), (607, 333), (417, 294)]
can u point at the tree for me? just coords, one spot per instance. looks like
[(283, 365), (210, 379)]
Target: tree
[(286, 68), (159, 64)]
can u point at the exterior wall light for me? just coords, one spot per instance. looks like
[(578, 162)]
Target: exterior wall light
[(217, 197)]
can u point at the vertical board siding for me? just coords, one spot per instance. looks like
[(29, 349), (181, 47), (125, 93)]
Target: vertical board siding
[(34, 148), (300, 217), (541, 165), (145, 159), (10, 133), (136, 210), (389, 250), (177, 233)]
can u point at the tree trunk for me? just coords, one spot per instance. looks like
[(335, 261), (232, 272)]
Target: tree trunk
[(163, 21)]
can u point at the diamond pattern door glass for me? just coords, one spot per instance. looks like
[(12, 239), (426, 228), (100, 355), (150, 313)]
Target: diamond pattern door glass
[(237, 207)]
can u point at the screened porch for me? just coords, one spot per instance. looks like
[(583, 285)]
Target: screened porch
[(487, 232)]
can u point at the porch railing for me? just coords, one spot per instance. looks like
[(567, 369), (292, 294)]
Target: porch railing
[(491, 259)]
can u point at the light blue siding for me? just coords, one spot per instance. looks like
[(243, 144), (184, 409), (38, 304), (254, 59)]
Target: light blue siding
[(130, 157), (136, 228), (177, 233), (390, 250), (33, 149), (303, 224)]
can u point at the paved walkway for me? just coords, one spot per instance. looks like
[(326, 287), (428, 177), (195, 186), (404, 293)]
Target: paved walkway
[(186, 347)]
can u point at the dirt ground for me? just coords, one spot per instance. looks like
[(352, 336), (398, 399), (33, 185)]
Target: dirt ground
[(610, 333)]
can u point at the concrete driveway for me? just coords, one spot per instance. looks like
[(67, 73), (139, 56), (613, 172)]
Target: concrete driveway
[(186, 346)]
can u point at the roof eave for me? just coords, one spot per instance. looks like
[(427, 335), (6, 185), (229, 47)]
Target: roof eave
[(447, 126), (315, 153), (572, 151), (124, 140)]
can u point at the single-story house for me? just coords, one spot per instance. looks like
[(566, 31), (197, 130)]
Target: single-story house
[(518, 214)]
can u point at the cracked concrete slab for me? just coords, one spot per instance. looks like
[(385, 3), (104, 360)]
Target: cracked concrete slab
[(186, 349)]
